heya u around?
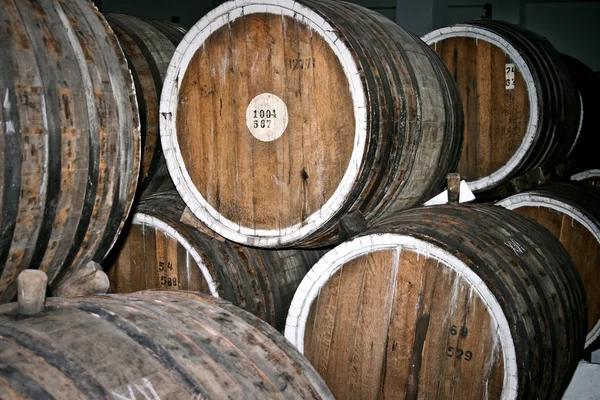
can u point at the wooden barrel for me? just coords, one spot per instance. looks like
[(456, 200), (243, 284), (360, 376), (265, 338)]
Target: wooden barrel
[(69, 132), (166, 247), (148, 345), (175, 32), (521, 106), (469, 302), (279, 119), (584, 155), (591, 176), (148, 47), (572, 213)]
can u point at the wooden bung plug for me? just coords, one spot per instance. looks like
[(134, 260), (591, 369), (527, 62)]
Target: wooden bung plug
[(453, 187), (31, 291)]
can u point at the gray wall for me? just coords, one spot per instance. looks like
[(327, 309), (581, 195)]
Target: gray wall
[(573, 27), (189, 11)]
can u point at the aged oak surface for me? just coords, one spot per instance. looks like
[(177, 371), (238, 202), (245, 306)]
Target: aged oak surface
[(167, 248), (463, 302), (148, 47), (69, 138), (572, 214), (279, 119), (521, 105), (149, 345)]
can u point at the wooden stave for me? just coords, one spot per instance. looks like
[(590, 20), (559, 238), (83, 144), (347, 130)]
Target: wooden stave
[(374, 189), (253, 279), (583, 200), (172, 331), (454, 230), (81, 223), (555, 94), (148, 46)]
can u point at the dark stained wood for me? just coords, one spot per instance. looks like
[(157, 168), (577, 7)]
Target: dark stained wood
[(69, 138), (401, 323), (577, 239), (497, 117), (149, 257), (584, 155), (148, 47), (149, 345), (414, 122)]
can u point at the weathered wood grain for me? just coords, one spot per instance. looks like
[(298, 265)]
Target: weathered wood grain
[(148, 46), (469, 302), (373, 120), (167, 248), (157, 344), (69, 138)]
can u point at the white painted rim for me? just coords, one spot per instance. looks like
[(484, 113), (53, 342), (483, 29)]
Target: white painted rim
[(535, 200), (321, 273), (220, 16), (493, 38), (590, 173), (145, 219), (581, 112)]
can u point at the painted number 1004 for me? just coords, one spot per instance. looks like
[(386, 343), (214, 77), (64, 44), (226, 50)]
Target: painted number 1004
[(262, 118)]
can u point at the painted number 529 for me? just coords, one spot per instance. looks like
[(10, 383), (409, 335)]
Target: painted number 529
[(459, 353)]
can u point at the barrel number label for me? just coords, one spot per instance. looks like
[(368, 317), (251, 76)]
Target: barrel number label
[(301, 63), (455, 352), (163, 278), (510, 76), (267, 117)]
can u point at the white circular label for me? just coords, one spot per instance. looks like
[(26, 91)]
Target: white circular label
[(266, 117)]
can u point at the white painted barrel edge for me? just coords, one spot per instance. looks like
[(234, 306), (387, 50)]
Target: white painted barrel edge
[(535, 200), (590, 173), (491, 37), (330, 263), (196, 36), (580, 127), (144, 219)]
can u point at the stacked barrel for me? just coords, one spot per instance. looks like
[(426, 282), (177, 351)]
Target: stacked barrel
[(276, 158)]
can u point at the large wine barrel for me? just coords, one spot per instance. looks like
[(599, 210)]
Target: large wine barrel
[(591, 176), (584, 154), (166, 247), (280, 118), (148, 345), (469, 302), (522, 109), (148, 47), (69, 138), (572, 213)]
